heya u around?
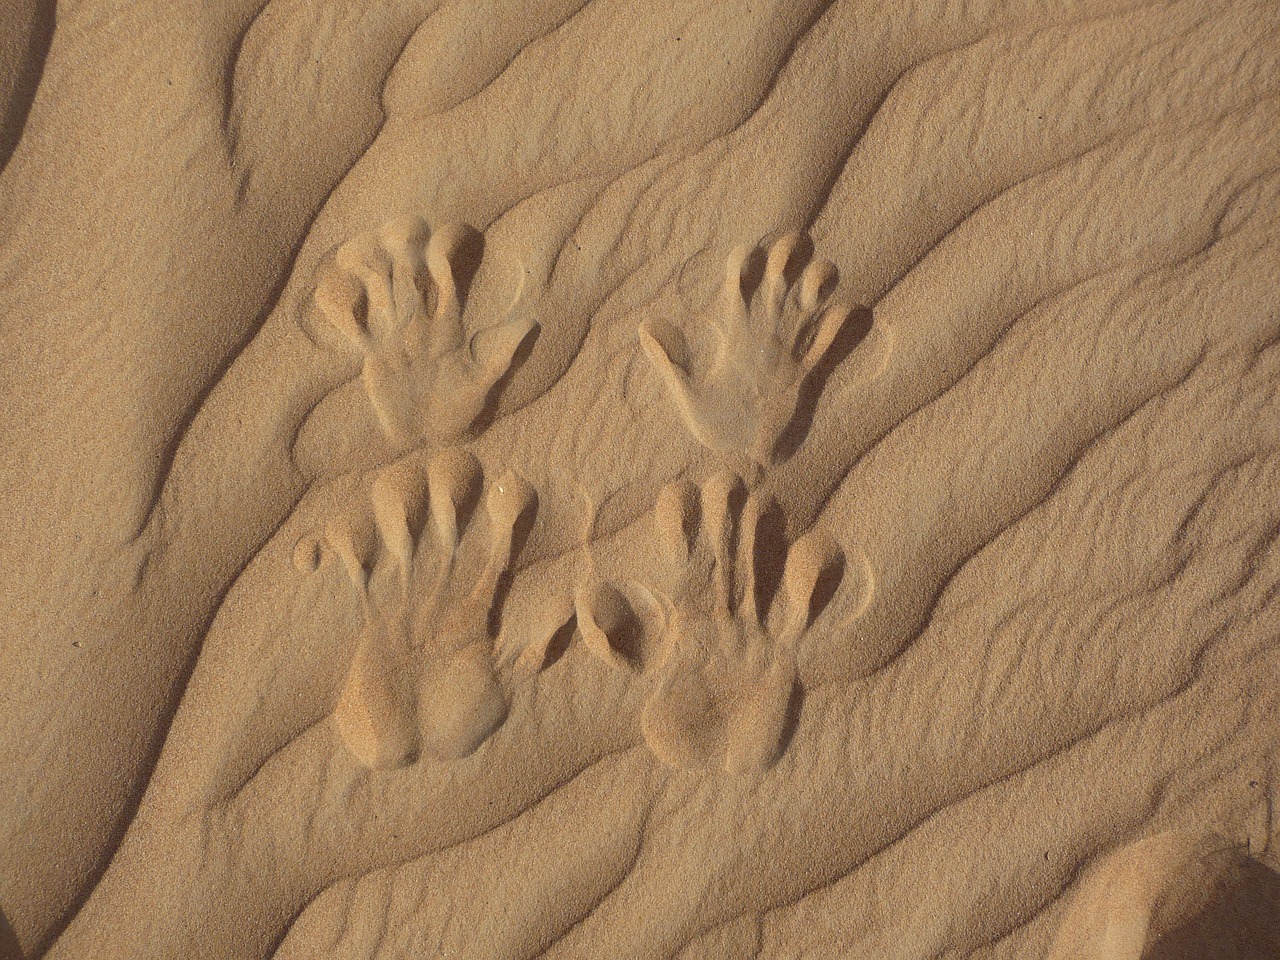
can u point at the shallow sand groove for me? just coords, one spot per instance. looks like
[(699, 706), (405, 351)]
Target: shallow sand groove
[(702, 479)]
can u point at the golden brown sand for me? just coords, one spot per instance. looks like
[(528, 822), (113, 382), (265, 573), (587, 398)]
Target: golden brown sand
[(698, 479)]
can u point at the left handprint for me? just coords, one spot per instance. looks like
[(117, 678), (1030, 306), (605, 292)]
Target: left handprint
[(393, 296)]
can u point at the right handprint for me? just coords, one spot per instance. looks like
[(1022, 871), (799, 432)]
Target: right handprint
[(424, 671), (727, 693), (774, 326)]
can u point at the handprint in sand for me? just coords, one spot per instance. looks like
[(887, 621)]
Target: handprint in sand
[(394, 296), (424, 671), (773, 324), (740, 598)]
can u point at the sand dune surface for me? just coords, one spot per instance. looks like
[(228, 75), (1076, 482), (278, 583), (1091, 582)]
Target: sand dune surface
[(591, 478)]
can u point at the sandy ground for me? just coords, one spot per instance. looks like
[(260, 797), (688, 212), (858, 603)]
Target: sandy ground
[(700, 479)]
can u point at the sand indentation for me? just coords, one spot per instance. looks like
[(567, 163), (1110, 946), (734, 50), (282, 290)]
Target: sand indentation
[(431, 585), (773, 325), (395, 296), (727, 693), (1172, 896)]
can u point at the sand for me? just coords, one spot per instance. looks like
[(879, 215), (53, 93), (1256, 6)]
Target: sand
[(700, 479)]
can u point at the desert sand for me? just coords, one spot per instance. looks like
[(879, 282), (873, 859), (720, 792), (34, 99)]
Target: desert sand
[(699, 479)]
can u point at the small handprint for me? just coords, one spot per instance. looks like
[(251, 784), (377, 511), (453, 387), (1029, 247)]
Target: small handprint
[(727, 688), (771, 338), (430, 584), (393, 295)]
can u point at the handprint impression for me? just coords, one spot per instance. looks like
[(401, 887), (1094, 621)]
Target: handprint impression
[(773, 337), (727, 689), (424, 673), (394, 297)]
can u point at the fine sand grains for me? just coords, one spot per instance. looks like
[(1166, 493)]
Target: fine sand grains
[(588, 478)]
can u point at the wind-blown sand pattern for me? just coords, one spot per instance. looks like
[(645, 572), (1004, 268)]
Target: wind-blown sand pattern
[(587, 478)]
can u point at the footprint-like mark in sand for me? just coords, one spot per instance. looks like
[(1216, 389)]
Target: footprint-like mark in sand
[(1171, 895), (394, 296), (431, 584), (777, 333), (727, 694)]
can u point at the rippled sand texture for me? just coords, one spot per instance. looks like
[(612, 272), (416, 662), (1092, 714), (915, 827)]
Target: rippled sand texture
[(699, 479)]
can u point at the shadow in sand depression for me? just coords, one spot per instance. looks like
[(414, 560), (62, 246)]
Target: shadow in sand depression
[(9, 948), (1242, 922)]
